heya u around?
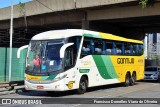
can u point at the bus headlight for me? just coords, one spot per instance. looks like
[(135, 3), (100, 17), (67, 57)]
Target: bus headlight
[(59, 78)]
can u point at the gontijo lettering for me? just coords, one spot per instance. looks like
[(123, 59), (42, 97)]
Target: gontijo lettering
[(125, 61)]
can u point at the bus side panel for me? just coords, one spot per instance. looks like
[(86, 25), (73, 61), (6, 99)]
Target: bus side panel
[(99, 73), (106, 69), (124, 64)]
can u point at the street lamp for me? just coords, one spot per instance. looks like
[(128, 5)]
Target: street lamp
[(11, 34)]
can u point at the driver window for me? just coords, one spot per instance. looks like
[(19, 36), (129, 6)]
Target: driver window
[(68, 62)]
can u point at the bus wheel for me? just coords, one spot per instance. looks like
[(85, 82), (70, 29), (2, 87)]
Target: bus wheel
[(158, 80), (127, 80), (133, 79), (82, 86)]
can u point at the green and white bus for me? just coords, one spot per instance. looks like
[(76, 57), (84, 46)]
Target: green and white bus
[(76, 59)]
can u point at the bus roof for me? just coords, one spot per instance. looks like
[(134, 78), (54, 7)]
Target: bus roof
[(58, 34)]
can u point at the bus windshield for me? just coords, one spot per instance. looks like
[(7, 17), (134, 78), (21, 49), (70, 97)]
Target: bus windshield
[(44, 57)]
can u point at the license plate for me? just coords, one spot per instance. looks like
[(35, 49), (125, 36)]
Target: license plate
[(40, 87)]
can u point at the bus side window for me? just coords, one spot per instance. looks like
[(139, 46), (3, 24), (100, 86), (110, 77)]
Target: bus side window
[(109, 46), (140, 49), (131, 49), (103, 47), (134, 49), (119, 49), (127, 48), (113, 48), (86, 48), (98, 46)]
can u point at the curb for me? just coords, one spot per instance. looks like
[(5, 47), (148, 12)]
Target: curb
[(8, 92), (17, 89)]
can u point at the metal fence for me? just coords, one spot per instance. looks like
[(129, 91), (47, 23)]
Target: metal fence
[(18, 65)]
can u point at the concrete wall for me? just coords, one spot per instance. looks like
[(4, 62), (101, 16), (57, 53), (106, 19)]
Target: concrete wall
[(93, 3), (35, 8), (124, 12)]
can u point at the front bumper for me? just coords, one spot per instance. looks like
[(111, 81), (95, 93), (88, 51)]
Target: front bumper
[(55, 86)]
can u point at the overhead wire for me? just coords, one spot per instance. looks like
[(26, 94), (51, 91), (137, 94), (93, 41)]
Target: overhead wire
[(45, 5)]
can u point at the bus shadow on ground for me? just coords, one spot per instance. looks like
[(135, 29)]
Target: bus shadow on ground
[(68, 93)]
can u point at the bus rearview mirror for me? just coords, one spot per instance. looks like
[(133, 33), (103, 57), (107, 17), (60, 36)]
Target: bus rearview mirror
[(63, 48), (20, 49)]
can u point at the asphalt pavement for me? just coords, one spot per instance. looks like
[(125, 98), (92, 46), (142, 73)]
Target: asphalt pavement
[(140, 90)]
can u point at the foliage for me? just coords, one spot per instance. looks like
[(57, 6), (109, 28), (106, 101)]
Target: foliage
[(22, 12), (146, 3), (143, 3), (21, 8)]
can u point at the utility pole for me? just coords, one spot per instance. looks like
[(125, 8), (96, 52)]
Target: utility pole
[(11, 34)]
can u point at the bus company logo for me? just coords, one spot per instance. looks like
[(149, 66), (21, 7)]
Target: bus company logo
[(33, 78), (86, 63), (125, 61)]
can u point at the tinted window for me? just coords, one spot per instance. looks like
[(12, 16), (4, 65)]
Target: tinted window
[(127, 49), (98, 46), (134, 49), (86, 47), (139, 49), (109, 46), (118, 48)]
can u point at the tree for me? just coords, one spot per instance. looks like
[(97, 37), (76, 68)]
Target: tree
[(22, 11), (146, 3)]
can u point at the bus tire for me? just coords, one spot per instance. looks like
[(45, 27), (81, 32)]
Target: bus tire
[(127, 80), (158, 80), (82, 85), (133, 79)]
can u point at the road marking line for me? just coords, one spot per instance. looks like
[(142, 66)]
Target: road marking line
[(105, 96), (75, 105)]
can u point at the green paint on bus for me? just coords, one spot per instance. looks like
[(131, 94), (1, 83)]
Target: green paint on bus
[(105, 66)]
